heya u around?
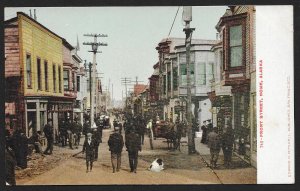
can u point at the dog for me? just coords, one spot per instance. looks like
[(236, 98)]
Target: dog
[(157, 165)]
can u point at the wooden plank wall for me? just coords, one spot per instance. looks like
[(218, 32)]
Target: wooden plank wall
[(12, 50)]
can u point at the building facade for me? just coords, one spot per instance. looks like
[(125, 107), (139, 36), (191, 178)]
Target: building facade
[(237, 32), (34, 68), (173, 74)]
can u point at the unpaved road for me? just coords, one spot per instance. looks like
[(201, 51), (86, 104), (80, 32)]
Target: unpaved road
[(180, 169)]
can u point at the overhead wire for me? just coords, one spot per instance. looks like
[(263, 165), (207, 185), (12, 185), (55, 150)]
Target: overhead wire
[(173, 22)]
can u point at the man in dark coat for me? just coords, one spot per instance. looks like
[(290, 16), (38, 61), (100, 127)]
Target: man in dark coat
[(63, 133), (86, 128), (20, 148), (141, 127), (100, 126), (96, 138), (89, 149), (214, 143), (48, 131), (133, 145), (71, 126), (78, 131), (204, 133), (10, 164), (116, 143), (227, 145)]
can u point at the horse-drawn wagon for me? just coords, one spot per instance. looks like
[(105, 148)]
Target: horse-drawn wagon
[(169, 131)]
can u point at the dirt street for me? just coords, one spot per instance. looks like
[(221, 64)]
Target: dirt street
[(180, 169)]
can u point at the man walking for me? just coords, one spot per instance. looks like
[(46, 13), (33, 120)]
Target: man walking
[(215, 146), (227, 145), (116, 143), (133, 145), (48, 131), (89, 149)]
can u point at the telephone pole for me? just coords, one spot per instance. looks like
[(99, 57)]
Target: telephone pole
[(187, 17), (125, 81), (94, 45), (136, 80)]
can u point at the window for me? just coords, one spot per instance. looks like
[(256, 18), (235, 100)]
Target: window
[(201, 73), (169, 81), (54, 78), (183, 73), (28, 70), (59, 79), (73, 81), (66, 80), (175, 78), (78, 83), (236, 48), (221, 65), (46, 75), (39, 77), (210, 71)]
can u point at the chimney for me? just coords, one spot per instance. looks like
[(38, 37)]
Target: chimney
[(30, 13), (34, 14)]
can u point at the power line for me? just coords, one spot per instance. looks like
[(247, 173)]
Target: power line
[(173, 22)]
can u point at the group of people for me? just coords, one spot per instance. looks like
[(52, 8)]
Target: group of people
[(216, 140), (133, 141), (70, 133)]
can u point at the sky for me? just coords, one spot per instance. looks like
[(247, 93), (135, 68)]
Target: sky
[(133, 33)]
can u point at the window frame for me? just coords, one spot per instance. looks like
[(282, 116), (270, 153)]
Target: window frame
[(59, 80), (39, 72), (29, 72), (46, 75), (68, 77), (54, 77), (231, 22), (78, 83)]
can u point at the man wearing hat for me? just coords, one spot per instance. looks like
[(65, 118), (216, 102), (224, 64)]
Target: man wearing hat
[(89, 149), (86, 127), (214, 144), (133, 145), (48, 131), (116, 143)]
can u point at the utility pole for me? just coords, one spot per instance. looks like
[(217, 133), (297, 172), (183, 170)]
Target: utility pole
[(125, 81), (94, 45), (187, 17), (90, 84), (112, 94), (136, 80)]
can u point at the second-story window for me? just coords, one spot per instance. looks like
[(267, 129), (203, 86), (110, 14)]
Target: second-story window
[(236, 47), (169, 81), (54, 78), (59, 79), (78, 83), (66, 80), (39, 73), (210, 71), (175, 78), (73, 81), (201, 73), (46, 75), (28, 70), (183, 73)]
